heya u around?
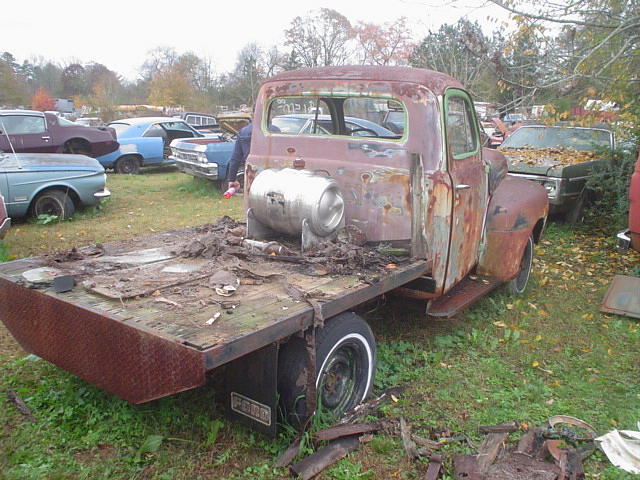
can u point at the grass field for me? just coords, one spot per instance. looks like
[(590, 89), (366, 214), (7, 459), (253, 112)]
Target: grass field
[(525, 359)]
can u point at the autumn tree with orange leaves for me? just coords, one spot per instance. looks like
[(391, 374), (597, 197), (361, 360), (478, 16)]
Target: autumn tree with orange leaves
[(42, 101)]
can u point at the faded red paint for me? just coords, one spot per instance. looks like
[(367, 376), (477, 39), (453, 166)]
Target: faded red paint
[(516, 208), (130, 362)]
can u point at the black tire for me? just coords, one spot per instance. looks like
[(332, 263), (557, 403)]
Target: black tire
[(77, 147), (576, 214), (53, 202), (518, 285), (345, 369), (128, 165)]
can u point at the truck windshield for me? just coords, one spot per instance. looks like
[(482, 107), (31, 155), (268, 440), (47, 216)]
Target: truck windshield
[(587, 139)]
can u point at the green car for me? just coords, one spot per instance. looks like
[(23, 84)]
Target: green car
[(50, 184), (561, 159)]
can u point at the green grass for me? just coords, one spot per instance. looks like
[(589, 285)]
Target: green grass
[(548, 352)]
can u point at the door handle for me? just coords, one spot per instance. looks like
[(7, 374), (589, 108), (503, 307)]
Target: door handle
[(46, 138), (462, 186)]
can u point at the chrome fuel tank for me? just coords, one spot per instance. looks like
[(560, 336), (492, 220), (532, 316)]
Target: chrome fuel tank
[(283, 199)]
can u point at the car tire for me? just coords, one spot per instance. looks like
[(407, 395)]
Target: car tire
[(518, 285), (576, 214), (128, 165), (77, 147), (345, 369), (53, 202)]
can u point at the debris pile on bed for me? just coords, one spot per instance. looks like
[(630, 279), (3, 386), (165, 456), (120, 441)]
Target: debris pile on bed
[(343, 256)]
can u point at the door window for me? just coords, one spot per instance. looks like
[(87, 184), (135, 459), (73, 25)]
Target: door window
[(22, 124), (461, 133)]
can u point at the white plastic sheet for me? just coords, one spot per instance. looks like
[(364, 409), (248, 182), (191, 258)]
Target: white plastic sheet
[(622, 447)]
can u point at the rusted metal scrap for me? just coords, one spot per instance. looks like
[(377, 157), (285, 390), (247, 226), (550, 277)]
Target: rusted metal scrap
[(20, 405), (526, 462), (339, 431), (325, 457)]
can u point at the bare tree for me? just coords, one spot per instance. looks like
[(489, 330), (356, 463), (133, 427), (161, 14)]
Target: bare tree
[(321, 38)]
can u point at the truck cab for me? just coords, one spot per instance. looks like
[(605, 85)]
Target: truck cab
[(429, 187)]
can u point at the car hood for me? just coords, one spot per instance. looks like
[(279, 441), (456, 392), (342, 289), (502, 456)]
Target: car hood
[(48, 160), (550, 162)]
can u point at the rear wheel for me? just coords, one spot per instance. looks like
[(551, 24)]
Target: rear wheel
[(518, 285), (345, 369), (128, 164), (77, 147), (53, 202)]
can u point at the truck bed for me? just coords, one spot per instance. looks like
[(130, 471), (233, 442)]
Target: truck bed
[(144, 321)]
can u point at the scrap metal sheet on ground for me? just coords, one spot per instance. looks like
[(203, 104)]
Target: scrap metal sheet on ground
[(623, 296)]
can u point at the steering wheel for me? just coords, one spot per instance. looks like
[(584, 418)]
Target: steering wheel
[(372, 133)]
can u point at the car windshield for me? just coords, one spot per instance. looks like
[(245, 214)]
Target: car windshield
[(119, 127), (587, 139)]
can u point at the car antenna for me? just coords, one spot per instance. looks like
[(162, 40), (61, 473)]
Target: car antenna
[(4, 130)]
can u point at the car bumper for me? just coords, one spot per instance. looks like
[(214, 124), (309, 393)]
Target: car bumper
[(198, 169), (4, 228), (104, 193)]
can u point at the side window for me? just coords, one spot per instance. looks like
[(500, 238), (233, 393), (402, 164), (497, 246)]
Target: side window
[(461, 134), (155, 131), (22, 124)]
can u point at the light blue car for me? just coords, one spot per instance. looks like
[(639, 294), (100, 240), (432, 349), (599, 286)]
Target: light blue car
[(50, 184), (145, 141)]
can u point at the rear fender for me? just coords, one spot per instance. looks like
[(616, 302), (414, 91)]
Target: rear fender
[(517, 209)]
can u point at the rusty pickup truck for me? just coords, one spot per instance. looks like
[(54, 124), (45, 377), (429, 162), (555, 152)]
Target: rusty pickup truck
[(337, 213)]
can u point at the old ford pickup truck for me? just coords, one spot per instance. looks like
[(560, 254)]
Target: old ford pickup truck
[(333, 219)]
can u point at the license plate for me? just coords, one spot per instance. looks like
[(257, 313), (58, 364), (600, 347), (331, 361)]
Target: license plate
[(250, 408)]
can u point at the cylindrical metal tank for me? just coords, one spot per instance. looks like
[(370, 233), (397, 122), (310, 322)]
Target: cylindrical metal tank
[(281, 199)]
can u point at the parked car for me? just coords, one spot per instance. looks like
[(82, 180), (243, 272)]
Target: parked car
[(203, 122), (561, 158), (52, 184), (5, 221), (28, 131), (209, 157), (631, 236), (145, 141)]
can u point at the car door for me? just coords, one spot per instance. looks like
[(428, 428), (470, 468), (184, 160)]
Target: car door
[(28, 133), (470, 185)]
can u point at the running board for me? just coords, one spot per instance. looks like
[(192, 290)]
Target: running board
[(470, 289)]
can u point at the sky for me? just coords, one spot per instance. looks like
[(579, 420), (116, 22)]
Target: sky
[(119, 33)]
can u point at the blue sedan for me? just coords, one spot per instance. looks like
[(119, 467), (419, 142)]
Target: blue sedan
[(50, 184), (145, 141)]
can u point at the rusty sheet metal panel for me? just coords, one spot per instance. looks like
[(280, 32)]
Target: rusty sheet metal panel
[(439, 197), (122, 359), (623, 297), (515, 209)]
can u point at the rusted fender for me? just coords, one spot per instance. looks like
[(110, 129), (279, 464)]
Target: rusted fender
[(518, 208)]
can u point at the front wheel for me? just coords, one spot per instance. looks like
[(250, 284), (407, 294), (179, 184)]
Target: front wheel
[(345, 369), (518, 285), (576, 214), (128, 164), (53, 202)]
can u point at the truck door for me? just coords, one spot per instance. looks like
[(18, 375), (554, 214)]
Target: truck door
[(469, 183)]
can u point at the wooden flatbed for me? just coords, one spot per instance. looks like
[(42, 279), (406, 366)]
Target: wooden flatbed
[(143, 322)]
